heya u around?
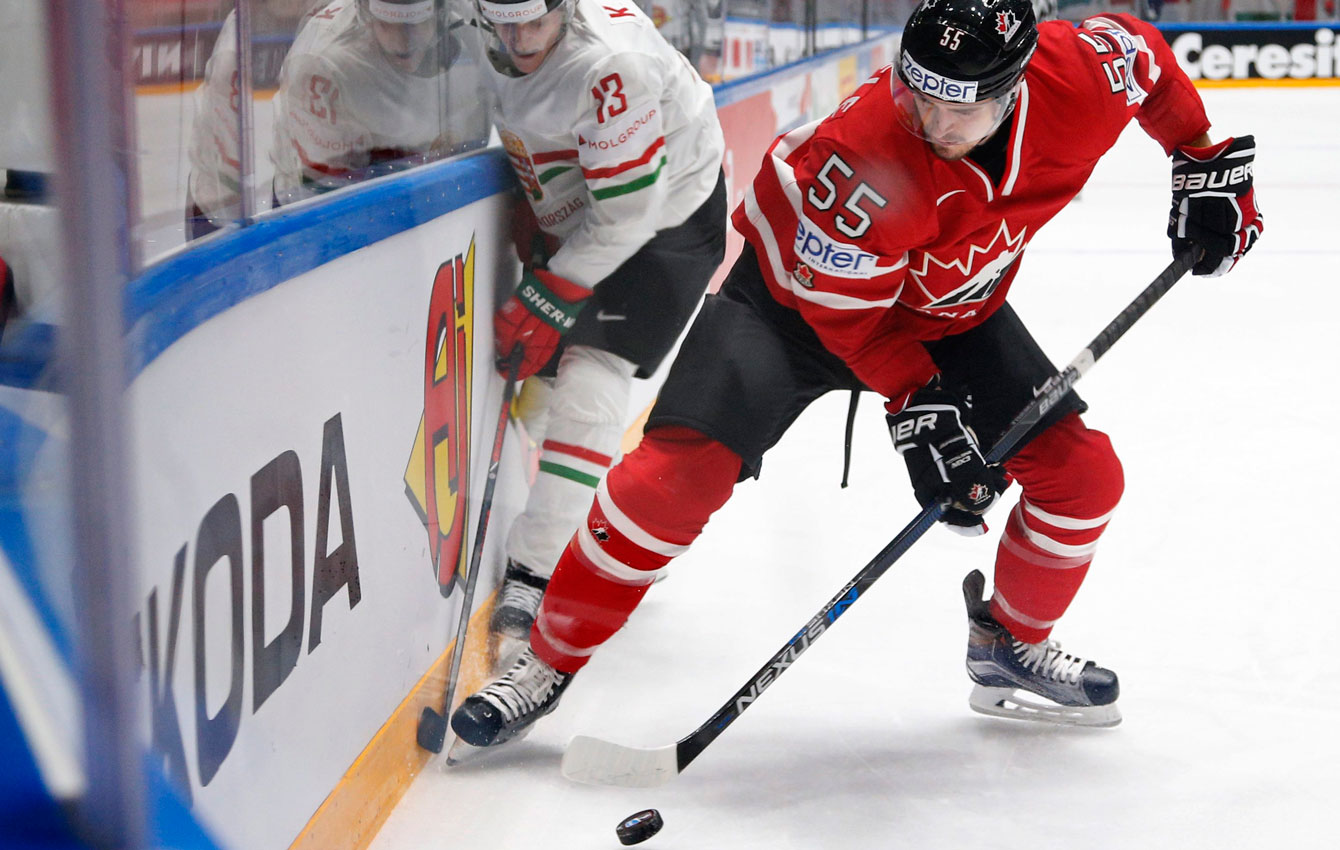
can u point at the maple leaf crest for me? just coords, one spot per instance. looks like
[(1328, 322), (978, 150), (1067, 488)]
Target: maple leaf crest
[(978, 284), (1006, 24), (803, 276)]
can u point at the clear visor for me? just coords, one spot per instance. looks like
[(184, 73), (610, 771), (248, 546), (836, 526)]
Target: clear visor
[(524, 35), (943, 122), (405, 32)]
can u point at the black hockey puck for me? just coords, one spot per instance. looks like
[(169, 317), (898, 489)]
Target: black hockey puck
[(639, 827)]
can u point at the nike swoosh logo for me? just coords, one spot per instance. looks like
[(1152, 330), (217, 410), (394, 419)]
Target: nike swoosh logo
[(602, 316)]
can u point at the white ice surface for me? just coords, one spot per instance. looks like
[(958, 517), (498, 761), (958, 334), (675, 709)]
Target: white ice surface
[(1212, 595)]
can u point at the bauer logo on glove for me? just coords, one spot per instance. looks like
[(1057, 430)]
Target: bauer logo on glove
[(1214, 205)]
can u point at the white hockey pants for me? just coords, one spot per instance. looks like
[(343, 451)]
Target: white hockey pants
[(579, 432)]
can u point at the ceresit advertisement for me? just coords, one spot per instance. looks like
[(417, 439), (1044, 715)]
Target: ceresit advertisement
[(1256, 54), (305, 465)]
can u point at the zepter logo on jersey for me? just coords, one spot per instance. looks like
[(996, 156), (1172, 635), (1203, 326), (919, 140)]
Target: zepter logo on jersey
[(521, 164), (822, 253)]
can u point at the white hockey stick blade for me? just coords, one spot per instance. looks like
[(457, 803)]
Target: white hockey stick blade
[(598, 762)]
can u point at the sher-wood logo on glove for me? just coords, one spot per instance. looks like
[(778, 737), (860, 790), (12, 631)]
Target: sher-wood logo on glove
[(542, 303)]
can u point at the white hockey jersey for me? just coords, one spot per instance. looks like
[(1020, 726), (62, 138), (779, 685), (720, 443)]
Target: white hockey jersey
[(214, 182), (613, 138), (342, 107)]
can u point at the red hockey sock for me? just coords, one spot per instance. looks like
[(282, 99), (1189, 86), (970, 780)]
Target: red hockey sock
[(1072, 481), (650, 507)]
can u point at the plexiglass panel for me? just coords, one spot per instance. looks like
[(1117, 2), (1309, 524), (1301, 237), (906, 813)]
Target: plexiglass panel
[(326, 94)]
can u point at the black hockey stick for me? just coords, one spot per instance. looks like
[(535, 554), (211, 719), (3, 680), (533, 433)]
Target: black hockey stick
[(432, 731), (602, 762)]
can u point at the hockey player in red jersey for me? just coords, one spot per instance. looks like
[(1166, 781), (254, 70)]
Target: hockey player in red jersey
[(882, 243)]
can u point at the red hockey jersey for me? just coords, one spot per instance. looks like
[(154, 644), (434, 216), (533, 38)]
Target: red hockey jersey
[(881, 245)]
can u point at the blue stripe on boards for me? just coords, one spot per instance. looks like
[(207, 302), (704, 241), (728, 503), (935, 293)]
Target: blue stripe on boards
[(20, 443), (176, 295)]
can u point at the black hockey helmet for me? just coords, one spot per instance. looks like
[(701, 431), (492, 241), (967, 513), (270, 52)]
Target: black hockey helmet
[(967, 50)]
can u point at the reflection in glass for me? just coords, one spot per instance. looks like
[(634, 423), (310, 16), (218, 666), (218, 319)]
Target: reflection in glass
[(213, 190), (371, 87)]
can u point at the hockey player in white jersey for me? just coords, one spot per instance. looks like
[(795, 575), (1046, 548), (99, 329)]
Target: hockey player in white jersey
[(615, 141), (213, 186), (372, 86)]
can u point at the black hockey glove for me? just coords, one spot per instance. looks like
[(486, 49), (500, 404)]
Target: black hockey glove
[(1213, 203), (933, 435)]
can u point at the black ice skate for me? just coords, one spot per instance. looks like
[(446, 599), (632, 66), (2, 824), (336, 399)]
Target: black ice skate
[(505, 709), (1011, 675), (518, 602)]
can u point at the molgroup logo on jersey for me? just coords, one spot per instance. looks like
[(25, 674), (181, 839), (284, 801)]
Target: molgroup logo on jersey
[(1256, 54), (437, 477)]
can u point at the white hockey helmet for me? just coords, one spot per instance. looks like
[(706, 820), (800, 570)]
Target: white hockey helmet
[(409, 32)]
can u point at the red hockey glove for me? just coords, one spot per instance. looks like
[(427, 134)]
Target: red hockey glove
[(543, 308), (943, 459), (533, 246), (1213, 203)]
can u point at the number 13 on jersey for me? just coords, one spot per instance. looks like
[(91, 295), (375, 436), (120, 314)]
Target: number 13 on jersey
[(610, 100)]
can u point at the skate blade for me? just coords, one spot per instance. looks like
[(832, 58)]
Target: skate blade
[(1016, 704), (461, 753)]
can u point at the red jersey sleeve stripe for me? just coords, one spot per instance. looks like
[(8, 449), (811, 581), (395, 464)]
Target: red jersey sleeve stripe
[(613, 170), (553, 156)]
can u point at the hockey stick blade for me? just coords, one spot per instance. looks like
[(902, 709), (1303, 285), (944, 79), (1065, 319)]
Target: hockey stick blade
[(598, 762), (432, 730)]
